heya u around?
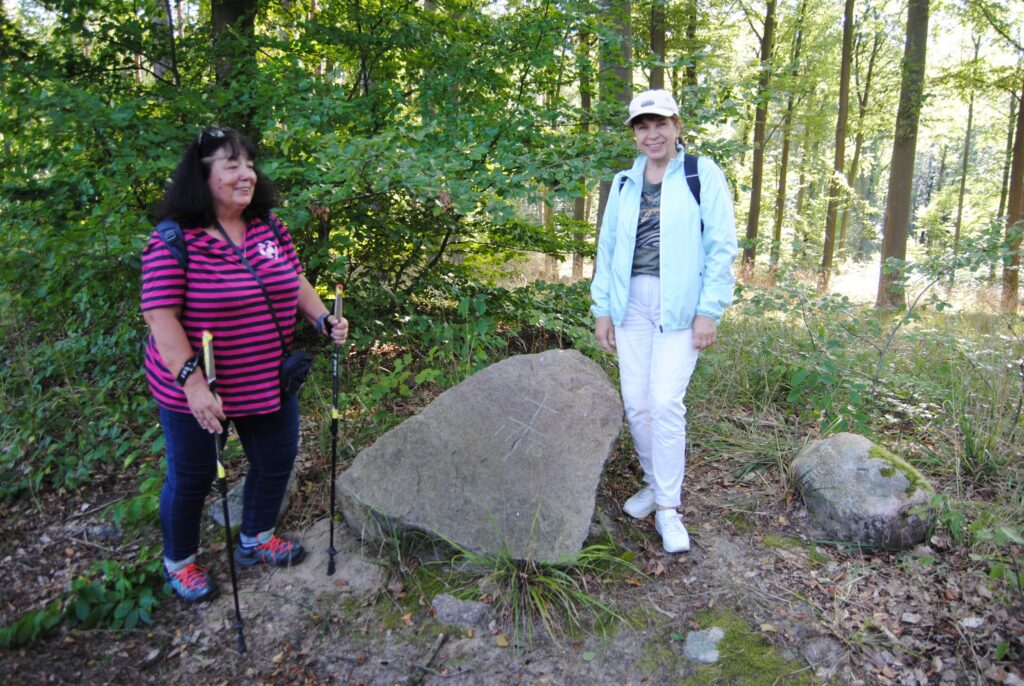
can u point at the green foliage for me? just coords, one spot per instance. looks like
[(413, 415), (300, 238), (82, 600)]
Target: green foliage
[(114, 595)]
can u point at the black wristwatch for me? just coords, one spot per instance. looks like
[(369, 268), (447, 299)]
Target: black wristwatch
[(187, 369)]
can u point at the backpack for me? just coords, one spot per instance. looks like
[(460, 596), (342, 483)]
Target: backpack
[(692, 180), (173, 237)]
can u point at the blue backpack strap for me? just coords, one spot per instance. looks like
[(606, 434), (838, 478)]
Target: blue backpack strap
[(693, 180), (174, 238)]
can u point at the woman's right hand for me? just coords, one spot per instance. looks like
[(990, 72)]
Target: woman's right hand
[(605, 332), (204, 404)]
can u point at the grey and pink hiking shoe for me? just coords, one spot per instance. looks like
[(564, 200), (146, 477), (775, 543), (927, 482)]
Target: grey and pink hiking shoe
[(192, 583), (276, 552)]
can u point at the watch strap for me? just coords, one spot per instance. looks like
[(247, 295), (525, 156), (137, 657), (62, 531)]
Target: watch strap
[(186, 370)]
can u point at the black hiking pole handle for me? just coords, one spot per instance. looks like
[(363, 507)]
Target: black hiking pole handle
[(331, 552), (222, 485)]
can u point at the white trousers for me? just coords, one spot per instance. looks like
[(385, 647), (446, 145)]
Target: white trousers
[(654, 370)]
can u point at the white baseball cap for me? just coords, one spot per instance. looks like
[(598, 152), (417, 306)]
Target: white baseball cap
[(658, 102)]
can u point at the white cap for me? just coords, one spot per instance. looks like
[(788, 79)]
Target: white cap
[(658, 102)]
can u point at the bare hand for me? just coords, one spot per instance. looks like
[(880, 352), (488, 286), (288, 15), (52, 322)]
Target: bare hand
[(204, 405), (604, 330), (705, 332), (339, 329)]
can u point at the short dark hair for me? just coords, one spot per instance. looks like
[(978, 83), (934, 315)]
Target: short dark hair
[(650, 116), (187, 199)]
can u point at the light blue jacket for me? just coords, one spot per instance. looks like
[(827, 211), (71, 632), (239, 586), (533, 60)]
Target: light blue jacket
[(696, 270)]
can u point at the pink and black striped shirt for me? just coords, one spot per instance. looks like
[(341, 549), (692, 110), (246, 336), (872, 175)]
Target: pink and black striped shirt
[(218, 293)]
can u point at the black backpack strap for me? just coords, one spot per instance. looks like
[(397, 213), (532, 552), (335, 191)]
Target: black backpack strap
[(174, 238), (693, 180)]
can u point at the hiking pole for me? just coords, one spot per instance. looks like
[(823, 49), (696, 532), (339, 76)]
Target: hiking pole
[(222, 485), (331, 552)]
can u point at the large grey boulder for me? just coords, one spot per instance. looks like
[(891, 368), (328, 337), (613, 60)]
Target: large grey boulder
[(507, 461), (859, 492), (235, 494)]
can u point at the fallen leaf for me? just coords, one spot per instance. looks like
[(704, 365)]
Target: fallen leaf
[(632, 581), (588, 656), (469, 633), (278, 658), (407, 619), (910, 618), (971, 622), (769, 628), (655, 568), (501, 641)]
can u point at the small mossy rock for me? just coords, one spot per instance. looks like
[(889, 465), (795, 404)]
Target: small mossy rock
[(861, 493)]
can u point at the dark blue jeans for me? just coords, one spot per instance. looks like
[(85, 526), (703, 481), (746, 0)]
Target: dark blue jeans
[(270, 442)]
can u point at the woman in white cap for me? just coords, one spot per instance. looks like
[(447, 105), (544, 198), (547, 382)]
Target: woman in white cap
[(663, 278)]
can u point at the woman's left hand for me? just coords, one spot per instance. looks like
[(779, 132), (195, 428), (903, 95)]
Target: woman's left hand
[(705, 332), (338, 329)]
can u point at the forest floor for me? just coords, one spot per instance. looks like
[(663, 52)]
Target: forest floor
[(795, 611)]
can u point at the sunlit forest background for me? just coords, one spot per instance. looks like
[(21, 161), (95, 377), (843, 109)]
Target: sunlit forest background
[(448, 162)]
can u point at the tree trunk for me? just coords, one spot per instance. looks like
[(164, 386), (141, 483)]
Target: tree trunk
[(616, 75), (863, 96), (170, 64), (579, 211), (233, 23), (760, 119), (835, 186), (787, 130), (901, 168), (658, 43), (965, 163), (691, 42), (1014, 215), (1011, 125)]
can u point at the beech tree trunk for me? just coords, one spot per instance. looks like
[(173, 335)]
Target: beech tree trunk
[(616, 75), (1011, 125), (863, 95), (657, 79), (964, 164), (787, 130), (1014, 215), (234, 23), (760, 119), (584, 68), (901, 169), (835, 186)]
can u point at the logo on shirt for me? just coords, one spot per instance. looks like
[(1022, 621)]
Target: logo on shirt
[(269, 250)]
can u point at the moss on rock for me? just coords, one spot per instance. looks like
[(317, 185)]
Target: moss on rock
[(915, 479)]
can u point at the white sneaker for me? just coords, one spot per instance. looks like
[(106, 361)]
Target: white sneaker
[(641, 503), (674, 537)]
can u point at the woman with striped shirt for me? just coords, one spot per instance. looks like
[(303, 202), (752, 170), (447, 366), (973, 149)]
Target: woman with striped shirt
[(223, 205)]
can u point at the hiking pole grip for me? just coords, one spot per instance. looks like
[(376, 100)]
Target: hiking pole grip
[(222, 485), (339, 293)]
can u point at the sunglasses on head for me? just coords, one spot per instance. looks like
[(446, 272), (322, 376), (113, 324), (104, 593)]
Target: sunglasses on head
[(211, 133)]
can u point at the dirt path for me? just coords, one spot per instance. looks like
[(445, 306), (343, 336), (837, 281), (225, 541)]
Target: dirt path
[(930, 616)]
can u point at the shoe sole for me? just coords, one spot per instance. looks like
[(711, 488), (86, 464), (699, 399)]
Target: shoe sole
[(212, 595), (684, 549)]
